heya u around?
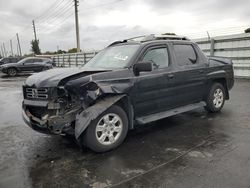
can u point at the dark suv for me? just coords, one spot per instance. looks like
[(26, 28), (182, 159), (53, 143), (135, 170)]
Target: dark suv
[(27, 65), (131, 82)]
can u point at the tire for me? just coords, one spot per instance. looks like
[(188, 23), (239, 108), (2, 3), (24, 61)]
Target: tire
[(12, 72), (216, 98), (110, 135), (45, 68)]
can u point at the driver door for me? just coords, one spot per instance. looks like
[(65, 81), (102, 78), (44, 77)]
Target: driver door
[(27, 65), (151, 86)]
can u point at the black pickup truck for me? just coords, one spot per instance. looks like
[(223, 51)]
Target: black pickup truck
[(129, 83)]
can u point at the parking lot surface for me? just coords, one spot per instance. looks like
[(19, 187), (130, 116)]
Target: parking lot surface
[(194, 149)]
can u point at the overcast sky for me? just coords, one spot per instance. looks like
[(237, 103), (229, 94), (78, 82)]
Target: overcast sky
[(104, 21)]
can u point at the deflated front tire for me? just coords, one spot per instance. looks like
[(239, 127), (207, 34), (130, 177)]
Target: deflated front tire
[(107, 131)]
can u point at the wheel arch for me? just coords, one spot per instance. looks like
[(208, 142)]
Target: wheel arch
[(222, 81), (13, 68), (85, 117)]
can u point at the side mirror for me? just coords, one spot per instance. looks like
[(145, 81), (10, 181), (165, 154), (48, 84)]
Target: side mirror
[(142, 67)]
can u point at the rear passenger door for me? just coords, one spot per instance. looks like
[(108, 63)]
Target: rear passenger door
[(189, 76), (38, 65)]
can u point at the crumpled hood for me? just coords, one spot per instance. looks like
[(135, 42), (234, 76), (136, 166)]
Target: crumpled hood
[(53, 77)]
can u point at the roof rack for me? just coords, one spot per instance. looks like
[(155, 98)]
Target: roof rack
[(145, 38)]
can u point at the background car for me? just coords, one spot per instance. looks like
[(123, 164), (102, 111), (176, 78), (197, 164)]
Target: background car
[(29, 64), (6, 60)]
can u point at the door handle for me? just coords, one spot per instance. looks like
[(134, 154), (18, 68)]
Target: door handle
[(170, 76), (201, 71)]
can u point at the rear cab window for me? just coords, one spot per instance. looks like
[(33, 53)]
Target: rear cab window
[(185, 54)]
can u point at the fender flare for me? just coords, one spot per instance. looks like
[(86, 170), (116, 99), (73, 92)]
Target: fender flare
[(17, 69), (84, 118)]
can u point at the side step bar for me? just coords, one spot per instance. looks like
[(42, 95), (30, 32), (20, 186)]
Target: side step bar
[(161, 115)]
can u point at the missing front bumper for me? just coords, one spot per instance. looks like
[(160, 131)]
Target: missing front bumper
[(51, 125)]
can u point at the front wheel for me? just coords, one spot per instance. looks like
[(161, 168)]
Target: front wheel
[(12, 72), (216, 98), (107, 131)]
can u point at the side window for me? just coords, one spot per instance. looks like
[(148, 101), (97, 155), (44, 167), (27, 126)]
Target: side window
[(6, 60), (28, 61), (158, 56), (185, 54), (38, 60)]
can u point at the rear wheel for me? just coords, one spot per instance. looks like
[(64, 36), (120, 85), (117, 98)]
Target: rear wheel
[(216, 98), (107, 131), (45, 68), (12, 72)]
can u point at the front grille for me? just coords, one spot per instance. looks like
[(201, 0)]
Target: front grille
[(34, 93)]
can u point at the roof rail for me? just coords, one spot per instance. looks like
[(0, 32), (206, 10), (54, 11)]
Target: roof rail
[(117, 42), (145, 38), (170, 37)]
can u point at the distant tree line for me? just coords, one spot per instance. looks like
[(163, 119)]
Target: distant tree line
[(247, 30)]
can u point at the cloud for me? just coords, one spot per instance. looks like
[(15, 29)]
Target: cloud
[(102, 22)]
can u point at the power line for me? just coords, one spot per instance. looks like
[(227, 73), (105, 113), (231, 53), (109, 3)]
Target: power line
[(44, 27), (47, 12), (66, 17), (56, 16), (55, 12)]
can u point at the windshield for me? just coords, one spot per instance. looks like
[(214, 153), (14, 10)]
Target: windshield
[(115, 57)]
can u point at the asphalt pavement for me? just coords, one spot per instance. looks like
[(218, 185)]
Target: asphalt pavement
[(193, 149)]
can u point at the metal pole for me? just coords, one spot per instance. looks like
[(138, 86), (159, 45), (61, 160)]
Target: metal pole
[(208, 35), (19, 44), (4, 50), (11, 48), (77, 26), (17, 50), (212, 47), (34, 28)]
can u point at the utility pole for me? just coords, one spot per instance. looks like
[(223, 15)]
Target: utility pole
[(77, 26), (34, 28), (2, 51), (17, 50), (19, 46), (5, 53), (11, 48), (208, 35)]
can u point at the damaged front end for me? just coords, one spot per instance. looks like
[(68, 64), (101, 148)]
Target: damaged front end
[(50, 110), (67, 109)]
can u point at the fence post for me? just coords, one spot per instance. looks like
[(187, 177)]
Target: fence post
[(76, 59), (84, 58), (69, 61), (58, 61), (63, 61), (212, 47)]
